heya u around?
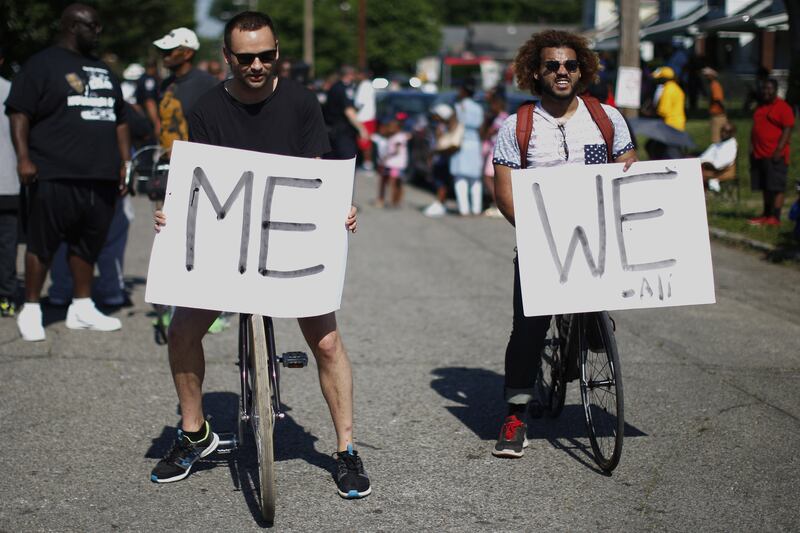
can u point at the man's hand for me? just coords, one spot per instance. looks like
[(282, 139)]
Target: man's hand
[(159, 219), (628, 158), (351, 223), (123, 178), (777, 156), (27, 171)]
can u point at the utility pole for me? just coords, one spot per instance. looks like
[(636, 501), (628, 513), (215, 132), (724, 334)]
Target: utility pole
[(362, 34), (308, 35), (629, 41)]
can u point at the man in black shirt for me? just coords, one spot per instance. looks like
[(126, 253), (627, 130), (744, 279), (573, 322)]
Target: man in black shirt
[(147, 96), (69, 132), (342, 116), (256, 110), (183, 87)]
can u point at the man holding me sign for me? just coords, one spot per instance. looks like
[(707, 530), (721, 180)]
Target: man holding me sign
[(561, 129), (257, 111)]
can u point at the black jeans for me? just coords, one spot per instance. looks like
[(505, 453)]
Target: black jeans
[(9, 233), (524, 350)]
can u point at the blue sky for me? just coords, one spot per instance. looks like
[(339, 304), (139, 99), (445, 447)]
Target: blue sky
[(206, 26)]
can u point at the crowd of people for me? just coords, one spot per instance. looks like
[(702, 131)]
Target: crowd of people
[(65, 153)]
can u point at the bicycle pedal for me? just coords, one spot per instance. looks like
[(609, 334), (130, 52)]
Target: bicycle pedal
[(294, 359)]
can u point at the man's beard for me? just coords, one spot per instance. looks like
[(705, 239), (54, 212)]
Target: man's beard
[(548, 90)]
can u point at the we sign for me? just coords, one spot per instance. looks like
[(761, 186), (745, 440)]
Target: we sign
[(592, 237), (252, 232)]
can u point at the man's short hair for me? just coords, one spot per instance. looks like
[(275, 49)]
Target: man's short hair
[(529, 58), (248, 21)]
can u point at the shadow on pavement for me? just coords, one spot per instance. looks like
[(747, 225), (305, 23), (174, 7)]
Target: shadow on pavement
[(479, 391), (292, 441)]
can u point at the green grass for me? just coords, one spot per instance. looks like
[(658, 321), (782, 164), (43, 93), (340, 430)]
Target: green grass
[(724, 212)]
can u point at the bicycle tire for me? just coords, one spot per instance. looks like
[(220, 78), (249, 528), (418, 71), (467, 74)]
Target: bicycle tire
[(601, 389), (262, 419), (551, 385)]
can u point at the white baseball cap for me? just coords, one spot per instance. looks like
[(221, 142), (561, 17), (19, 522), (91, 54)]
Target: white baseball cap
[(443, 110), (178, 37)]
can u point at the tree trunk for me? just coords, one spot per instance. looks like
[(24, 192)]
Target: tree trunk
[(793, 92)]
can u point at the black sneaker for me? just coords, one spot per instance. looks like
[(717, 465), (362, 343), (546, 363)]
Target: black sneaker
[(351, 479), (513, 438), (178, 462), (7, 307)]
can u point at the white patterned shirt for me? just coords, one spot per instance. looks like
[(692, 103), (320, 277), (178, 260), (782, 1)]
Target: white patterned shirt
[(578, 140)]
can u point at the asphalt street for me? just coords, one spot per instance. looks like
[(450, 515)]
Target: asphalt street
[(712, 404)]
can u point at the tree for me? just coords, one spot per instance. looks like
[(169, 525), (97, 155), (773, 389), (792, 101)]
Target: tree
[(129, 26), (398, 33), (793, 93), (462, 12)]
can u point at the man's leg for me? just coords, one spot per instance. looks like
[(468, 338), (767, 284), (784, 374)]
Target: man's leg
[(336, 381), (82, 276), (35, 275), (522, 364), (8, 262), (187, 362), (777, 204), (335, 374)]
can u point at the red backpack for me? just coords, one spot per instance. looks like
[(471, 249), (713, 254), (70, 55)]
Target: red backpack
[(525, 126)]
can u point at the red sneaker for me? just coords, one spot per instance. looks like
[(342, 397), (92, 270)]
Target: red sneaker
[(758, 221), (772, 221)]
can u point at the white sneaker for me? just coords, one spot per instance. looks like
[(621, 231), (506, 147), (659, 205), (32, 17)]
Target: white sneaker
[(29, 323), (88, 317), (436, 209), (493, 212)]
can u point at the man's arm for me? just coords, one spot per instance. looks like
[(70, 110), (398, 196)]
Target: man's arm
[(352, 117), (785, 134), (628, 158), (20, 130), (503, 195), (151, 109)]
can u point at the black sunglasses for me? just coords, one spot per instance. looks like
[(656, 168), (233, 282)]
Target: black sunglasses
[(265, 56), (571, 65)]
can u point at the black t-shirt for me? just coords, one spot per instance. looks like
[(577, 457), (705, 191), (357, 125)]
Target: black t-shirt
[(146, 89), (288, 122), (339, 98), (178, 97), (74, 104)]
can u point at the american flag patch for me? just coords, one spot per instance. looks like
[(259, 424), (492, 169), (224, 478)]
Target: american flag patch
[(595, 154)]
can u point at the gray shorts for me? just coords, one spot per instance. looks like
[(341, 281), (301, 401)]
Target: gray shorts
[(767, 175)]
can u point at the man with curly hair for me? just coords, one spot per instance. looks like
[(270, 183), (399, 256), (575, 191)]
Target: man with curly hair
[(562, 129)]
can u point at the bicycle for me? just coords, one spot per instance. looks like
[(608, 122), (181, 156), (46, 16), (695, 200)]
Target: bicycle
[(147, 173), (582, 346), (260, 400)]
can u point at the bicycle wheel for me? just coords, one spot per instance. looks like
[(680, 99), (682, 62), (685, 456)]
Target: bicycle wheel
[(551, 387), (262, 415), (601, 389)]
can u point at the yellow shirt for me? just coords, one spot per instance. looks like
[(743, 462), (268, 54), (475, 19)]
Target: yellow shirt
[(671, 106)]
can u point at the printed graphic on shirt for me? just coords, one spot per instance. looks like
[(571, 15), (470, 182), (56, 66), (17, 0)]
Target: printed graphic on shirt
[(173, 122), (94, 106), (595, 154)]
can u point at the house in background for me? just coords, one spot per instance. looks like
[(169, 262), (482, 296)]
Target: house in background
[(736, 37)]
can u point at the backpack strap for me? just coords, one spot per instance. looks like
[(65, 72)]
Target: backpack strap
[(604, 123), (524, 131)]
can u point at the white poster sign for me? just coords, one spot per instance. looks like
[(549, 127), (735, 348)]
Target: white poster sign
[(592, 237), (629, 87), (252, 232)]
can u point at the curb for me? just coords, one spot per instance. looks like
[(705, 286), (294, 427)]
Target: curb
[(735, 238)]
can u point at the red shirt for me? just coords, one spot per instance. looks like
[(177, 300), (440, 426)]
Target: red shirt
[(768, 123)]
